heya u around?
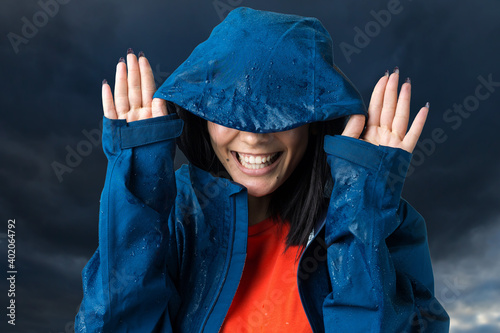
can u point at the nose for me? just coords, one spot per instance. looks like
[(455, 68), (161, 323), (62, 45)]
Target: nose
[(255, 139)]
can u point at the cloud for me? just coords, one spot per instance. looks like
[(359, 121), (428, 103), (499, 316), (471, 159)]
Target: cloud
[(468, 286)]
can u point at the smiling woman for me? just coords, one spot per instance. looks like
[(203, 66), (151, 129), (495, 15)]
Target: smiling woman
[(284, 218), (259, 161)]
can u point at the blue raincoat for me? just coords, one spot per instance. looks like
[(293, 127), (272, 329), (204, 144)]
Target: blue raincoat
[(172, 245)]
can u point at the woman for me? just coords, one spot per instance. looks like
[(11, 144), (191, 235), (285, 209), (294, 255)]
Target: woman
[(259, 111)]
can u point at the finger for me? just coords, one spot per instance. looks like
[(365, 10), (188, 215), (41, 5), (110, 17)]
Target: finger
[(354, 126), (107, 101), (121, 90), (402, 116), (159, 107), (411, 138), (376, 101), (147, 80), (134, 81), (390, 100)]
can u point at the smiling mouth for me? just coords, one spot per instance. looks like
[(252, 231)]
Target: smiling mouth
[(256, 162)]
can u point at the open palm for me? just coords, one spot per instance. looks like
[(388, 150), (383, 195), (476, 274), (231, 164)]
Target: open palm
[(134, 89), (388, 116)]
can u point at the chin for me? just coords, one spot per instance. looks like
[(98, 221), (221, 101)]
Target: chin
[(259, 191)]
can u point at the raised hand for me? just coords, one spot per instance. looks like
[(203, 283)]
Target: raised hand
[(134, 91), (388, 116)]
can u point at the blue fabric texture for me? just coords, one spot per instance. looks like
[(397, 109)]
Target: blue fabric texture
[(244, 74), (172, 244)]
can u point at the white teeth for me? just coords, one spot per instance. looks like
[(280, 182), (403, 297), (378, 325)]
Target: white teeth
[(252, 162)]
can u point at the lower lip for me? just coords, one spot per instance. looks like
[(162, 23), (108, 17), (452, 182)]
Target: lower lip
[(255, 172)]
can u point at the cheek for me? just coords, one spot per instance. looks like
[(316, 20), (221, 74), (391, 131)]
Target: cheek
[(298, 154), (220, 137), (296, 140)]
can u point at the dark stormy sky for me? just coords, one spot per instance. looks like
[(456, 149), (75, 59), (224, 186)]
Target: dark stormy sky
[(50, 83)]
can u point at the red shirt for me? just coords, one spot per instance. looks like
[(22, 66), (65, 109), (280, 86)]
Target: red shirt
[(267, 299)]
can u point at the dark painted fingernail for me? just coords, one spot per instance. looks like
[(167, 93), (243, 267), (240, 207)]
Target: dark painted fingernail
[(408, 80), (396, 70), (104, 82), (122, 59), (141, 54), (386, 72), (129, 51), (427, 105)]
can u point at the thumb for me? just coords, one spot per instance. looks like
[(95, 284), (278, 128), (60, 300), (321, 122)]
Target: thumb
[(159, 107), (354, 126)]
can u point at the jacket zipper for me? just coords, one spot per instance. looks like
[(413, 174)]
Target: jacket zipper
[(220, 327), (226, 266), (317, 228), (244, 263)]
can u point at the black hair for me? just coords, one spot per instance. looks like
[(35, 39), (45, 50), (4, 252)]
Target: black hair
[(300, 200)]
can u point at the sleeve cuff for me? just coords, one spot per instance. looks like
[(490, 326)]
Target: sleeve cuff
[(143, 132), (364, 153), (354, 150), (390, 165)]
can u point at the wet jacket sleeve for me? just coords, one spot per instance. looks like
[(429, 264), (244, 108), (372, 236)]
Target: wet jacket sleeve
[(378, 258), (129, 283)]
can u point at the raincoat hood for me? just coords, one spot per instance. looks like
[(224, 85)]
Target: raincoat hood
[(263, 72)]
